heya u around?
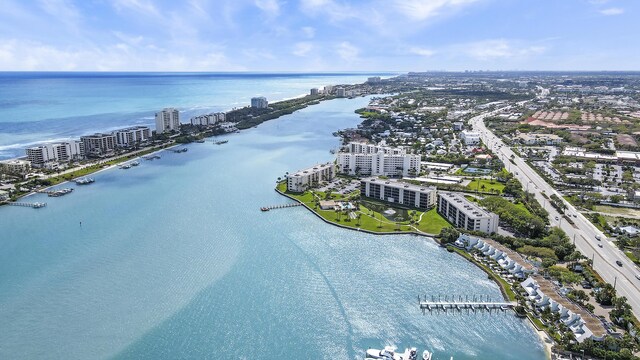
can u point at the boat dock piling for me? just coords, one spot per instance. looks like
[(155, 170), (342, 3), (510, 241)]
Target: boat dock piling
[(267, 208), (481, 303), (36, 205)]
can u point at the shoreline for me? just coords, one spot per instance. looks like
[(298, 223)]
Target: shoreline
[(545, 340), (85, 175)]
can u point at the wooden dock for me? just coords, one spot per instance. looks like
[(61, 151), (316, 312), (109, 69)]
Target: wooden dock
[(267, 208), (475, 303), (36, 205)]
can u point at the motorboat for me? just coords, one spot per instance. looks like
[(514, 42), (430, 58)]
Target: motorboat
[(409, 354), (135, 163), (426, 355), (388, 353)]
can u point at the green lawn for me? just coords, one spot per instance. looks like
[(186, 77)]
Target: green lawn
[(432, 222), (489, 185), (370, 220)]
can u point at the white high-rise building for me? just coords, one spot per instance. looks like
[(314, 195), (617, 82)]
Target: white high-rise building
[(259, 102), (167, 120), (132, 136), (43, 154), (99, 145), (366, 159), (301, 180), (340, 92), (464, 214), (421, 197)]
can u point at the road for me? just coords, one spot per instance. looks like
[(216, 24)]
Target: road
[(583, 232)]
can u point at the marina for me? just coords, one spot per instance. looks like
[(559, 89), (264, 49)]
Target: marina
[(84, 181), (473, 303), (58, 193), (259, 279)]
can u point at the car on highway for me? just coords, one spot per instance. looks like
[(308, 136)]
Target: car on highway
[(638, 276), (598, 237), (599, 245), (575, 215), (557, 218), (618, 262)]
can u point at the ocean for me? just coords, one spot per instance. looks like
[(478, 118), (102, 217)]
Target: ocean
[(174, 260)]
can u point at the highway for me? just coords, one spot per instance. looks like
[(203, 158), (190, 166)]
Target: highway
[(583, 232)]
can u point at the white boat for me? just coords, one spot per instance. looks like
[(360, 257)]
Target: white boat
[(135, 163), (387, 353), (409, 354), (426, 355)]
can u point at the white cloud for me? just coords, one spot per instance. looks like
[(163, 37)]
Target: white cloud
[(270, 7), (35, 56), (497, 48), (302, 48), (131, 40), (422, 10), (62, 10), (333, 10), (145, 7), (422, 51), (309, 32), (347, 51), (612, 11)]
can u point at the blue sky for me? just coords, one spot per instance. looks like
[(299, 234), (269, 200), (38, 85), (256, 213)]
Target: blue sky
[(319, 35)]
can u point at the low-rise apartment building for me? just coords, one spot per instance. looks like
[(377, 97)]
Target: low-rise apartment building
[(539, 139), (420, 197), (470, 137), (464, 214), (15, 166), (303, 179)]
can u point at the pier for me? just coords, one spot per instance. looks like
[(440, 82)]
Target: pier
[(453, 303), (267, 208), (36, 205)]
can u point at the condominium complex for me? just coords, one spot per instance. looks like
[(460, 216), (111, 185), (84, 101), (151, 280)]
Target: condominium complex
[(314, 91), (132, 136), (340, 92), (539, 139), (259, 102), (470, 137), (366, 159), (167, 120), (15, 166), (41, 155), (466, 215), (421, 197), (99, 145), (208, 119), (303, 179)]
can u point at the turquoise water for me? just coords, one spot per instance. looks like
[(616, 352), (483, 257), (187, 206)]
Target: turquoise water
[(174, 260), (36, 107)]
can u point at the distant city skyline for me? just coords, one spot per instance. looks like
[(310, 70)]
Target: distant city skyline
[(318, 35)]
